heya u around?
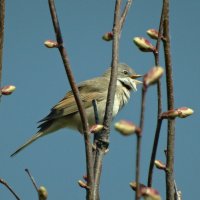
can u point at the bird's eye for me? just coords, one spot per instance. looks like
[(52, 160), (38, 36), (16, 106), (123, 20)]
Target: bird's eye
[(125, 72)]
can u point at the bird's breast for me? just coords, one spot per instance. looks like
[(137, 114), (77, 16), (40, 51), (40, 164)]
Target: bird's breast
[(122, 97)]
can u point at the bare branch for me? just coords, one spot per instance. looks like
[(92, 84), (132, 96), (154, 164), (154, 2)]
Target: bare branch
[(138, 147), (2, 16), (154, 150), (94, 103), (170, 102), (97, 171), (103, 138), (124, 14), (113, 76), (9, 188), (32, 179), (42, 191), (159, 96), (63, 53)]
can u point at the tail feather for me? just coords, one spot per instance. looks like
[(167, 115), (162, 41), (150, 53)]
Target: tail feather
[(31, 140)]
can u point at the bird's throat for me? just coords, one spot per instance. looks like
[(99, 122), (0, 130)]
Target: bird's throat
[(126, 86)]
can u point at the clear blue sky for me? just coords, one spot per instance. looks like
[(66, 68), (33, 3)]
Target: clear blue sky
[(58, 161)]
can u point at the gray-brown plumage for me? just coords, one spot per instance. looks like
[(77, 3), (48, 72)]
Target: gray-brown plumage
[(65, 113)]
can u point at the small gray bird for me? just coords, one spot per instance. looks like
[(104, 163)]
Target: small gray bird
[(65, 113)]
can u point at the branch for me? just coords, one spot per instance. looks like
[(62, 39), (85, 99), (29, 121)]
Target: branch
[(42, 191), (113, 76), (154, 150), (103, 138), (9, 188), (153, 75), (96, 115), (138, 147), (159, 96), (2, 16), (63, 53), (170, 102), (124, 14), (32, 179)]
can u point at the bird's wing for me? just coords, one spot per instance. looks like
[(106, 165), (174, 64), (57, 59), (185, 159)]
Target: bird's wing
[(89, 90)]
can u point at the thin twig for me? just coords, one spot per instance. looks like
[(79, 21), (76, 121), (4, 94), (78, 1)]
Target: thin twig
[(32, 179), (160, 33), (2, 16), (137, 171), (154, 150), (96, 135), (96, 115), (113, 76), (138, 147), (103, 140), (9, 188), (88, 146), (170, 102), (124, 14), (42, 192), (159, 96), (97, 170), (177, 193)]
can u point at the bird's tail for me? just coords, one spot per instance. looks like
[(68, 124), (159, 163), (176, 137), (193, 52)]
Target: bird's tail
[(31, 140)]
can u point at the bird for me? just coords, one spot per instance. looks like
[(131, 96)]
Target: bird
[(65, 113)]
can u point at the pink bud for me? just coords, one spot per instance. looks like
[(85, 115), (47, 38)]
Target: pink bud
[(108, 36), (153, 33), (126, 128), (184, 112), (82, 184), (133, 185), (143, 44), (179, 112), (150, 193), (153, 75), (51, 44), (7, 90), (96, 128), (160, 165)]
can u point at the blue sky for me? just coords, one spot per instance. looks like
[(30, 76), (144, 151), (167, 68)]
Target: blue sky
[(58, 161)]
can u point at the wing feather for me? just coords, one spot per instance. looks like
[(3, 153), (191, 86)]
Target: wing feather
[(89, 91)]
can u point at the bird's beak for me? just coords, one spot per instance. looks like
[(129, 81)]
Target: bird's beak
[(135, 76)]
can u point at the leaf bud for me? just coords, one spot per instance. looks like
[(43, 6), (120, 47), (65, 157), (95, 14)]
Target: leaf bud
[(143, 44), (126, 128)]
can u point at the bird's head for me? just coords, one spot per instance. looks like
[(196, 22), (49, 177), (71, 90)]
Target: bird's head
[(127, 76)]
